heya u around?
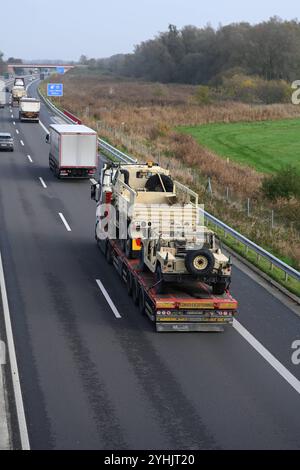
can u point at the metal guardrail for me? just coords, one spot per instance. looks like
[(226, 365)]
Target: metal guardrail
[(115, 152), (288, 270), (103, 145)]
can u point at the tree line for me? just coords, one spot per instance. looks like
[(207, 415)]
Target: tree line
[(269, 50)]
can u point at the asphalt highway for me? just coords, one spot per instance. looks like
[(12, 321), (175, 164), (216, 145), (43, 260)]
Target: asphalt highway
[(93, 381)]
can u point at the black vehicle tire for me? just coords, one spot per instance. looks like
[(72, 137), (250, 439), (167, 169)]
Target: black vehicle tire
[(135, 291), (219, 288), (129, 282), (159, 287), (154, 184), (142, 266), (128, 248), (123, 245), (108, 254), (56, 172), (141, 303), (199, 262)]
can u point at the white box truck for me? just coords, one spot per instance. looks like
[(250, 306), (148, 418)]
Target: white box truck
[(73, 151), (29, 109), (2, 93)]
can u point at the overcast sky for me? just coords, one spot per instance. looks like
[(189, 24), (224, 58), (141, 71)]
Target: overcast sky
[(65, 29)]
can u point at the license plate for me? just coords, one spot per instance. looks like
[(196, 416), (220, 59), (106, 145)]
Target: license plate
[(187, 305)]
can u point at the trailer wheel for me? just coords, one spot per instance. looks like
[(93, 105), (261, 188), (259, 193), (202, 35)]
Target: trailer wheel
[(108, 254), (199, 262), (123, 244), (142, 266), (159, 283), (141, 302), (129, 283), (56, 172), (219, 288), (128, 248), (135, 292)]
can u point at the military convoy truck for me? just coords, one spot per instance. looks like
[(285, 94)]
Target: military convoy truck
[(147, 225)]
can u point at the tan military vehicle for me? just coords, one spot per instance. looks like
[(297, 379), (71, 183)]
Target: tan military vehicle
[(157, 219)]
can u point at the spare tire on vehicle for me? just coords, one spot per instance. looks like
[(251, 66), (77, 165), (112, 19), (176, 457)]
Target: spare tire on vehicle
[(199, 262), (154, 184)]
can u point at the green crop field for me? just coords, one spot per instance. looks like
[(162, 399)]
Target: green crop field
[(266, 146)]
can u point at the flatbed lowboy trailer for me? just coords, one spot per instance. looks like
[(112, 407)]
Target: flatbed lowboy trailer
[(180, 308)]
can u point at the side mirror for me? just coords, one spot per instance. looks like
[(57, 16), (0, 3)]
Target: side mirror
[(47, 138), (95, 191)]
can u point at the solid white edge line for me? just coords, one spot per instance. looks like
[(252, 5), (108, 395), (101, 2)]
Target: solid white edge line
[(22, 143), (65, 222), (283, 371), (42, 182), (29, 158), (44, 127), (13, 364), (108, 299)]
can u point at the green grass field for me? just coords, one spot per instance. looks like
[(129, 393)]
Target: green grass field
[(266, 145)]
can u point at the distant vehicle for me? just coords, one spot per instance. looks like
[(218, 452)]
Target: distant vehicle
[(73, 151), (19, 81), (18, 92), (6, 141), (29, 109), (2, 95)]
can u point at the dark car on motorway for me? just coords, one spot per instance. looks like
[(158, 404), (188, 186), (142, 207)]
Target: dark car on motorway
[(6, 141)]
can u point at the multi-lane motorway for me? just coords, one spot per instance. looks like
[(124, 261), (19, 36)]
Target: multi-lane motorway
[(92, 380)]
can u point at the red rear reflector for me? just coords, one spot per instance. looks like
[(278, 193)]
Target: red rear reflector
[(138, 242)]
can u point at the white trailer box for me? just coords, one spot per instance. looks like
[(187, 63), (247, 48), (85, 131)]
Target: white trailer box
[(73, 151), (2, 93), (18, 92), (29, 109), (19, 81)]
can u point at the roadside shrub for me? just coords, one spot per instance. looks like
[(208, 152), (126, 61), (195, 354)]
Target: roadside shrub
[(274, 91), (252, 89), (284, 184), (203, 95)]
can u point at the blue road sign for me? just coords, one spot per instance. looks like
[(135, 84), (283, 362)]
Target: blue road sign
[(55, 89), (60, 70)]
